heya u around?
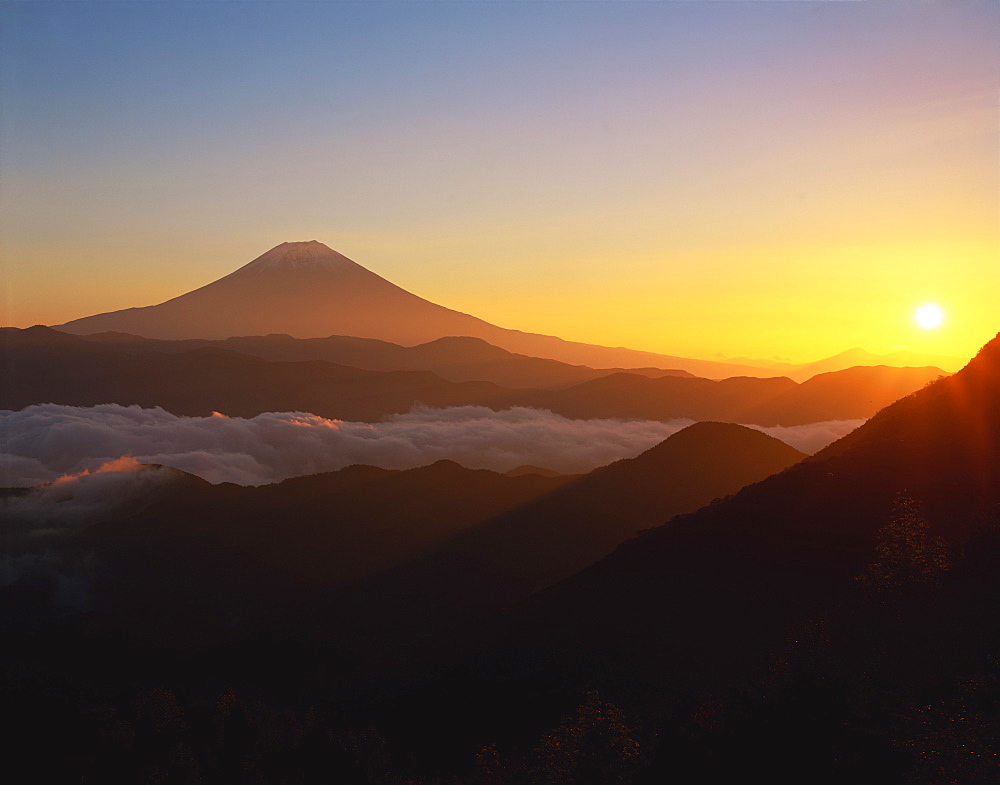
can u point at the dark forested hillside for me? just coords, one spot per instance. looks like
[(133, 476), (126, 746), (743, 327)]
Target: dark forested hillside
[(834, 622), (505, 559), (860, 584)]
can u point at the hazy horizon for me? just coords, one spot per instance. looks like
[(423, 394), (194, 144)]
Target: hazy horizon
[(713, 180)]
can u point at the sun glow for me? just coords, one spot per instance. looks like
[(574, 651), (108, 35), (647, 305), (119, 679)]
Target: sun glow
[(929, 316)]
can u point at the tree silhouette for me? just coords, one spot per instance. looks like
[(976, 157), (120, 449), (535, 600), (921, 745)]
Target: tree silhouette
[(906, 555), (592, 746)]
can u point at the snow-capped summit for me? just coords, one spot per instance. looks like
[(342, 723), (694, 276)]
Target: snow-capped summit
[(306, 255), (304, 289)]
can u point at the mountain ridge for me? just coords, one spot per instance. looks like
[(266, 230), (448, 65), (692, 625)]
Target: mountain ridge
[(776, 553), (198, 377), (508, 558), (341, 297)]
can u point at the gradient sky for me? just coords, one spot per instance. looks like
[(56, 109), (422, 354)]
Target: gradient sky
[(769, 179)]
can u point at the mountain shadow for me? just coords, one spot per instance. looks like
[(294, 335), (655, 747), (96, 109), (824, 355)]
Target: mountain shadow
[(505, 559), (195, 564)]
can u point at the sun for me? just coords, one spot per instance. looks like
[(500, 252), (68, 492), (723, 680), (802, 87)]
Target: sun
[(929, 316)]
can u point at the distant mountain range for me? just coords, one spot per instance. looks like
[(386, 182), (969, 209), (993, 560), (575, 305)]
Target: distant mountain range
[(853, 393), (457, 359), (45, 366), (41, 365), (308, 290), (854, 357)]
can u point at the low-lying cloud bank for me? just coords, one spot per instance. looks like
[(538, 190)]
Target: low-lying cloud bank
[(37, 525), (45, 442), (48, 511), (812, 437)]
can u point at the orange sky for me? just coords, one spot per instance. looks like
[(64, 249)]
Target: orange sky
[(705, 179)]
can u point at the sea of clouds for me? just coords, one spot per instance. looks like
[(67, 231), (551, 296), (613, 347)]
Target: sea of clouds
[(86, 462), (45, 442)]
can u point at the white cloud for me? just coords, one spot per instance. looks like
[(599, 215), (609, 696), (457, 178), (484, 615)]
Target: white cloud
[(70, 500), (44, 442), (813, 437)]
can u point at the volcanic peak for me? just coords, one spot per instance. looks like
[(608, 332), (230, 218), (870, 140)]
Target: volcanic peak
[(299, 256)]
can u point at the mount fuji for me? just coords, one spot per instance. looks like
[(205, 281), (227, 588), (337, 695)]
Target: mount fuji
[(308, 290)]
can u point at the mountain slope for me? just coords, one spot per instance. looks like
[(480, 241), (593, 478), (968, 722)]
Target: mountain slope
[(304, 289), (308, 290), (671, 606), (506, 559), (172, 559), (848, 394)]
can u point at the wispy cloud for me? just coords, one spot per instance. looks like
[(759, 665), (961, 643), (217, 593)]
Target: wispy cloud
[(812, 437), (38, 526)]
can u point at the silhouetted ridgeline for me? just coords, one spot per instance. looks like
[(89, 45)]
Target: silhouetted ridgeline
[(151, 574), (504, 560), (457, 359), (45, 366), (781, 592), (834, 622)]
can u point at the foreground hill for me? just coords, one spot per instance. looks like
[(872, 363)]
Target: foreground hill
[(870, 567), (509, 557), (180, 562), (183, 561), (153, 577), (308, 290)]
